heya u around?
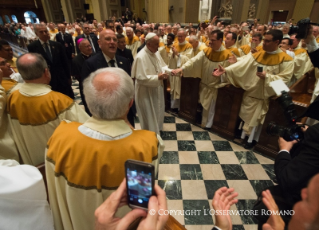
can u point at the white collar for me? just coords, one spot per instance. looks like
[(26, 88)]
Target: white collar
[(183, 43), (34, 89), (111, 128), (108, 59)]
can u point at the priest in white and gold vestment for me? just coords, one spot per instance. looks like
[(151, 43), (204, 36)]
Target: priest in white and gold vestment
[(276, 65), (132, 41), (85, 163), (34, 111), (201, 66), (8, 149)]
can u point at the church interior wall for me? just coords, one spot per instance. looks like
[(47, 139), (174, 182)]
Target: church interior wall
[(314, 15), (275, 5), (19, 7), (302, 9), (191, 11), (178, 14), (157, 10)]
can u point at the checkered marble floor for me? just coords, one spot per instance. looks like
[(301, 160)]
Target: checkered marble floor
[(196, 163)]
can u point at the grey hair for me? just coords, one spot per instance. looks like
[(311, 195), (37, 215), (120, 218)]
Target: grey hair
[(112, 102), (195, 38), (179, 30), (34, 70), (36, 26), (84, 39), (129, 29)]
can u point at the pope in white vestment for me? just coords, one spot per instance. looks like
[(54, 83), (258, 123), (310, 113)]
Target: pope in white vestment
[(148, 68)]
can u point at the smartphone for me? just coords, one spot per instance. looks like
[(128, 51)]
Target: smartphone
[(260, 69), (253, 45), (140, 181)]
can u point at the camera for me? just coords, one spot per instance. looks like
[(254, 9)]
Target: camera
[(293, 131), (302, 28)]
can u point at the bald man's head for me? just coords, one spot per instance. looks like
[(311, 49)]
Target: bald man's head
[(108, 42), (31, 66), (109, 93)]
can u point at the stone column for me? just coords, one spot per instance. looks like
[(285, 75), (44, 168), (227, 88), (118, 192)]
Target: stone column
[(47, 10), (240, 10), (99, 10), (262, 11), (67, 7), (205, 10), (302, 9), (52, 10)]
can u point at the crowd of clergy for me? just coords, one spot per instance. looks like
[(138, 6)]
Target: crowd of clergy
[(216, 53)]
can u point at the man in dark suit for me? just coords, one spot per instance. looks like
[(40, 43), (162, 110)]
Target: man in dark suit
[(122, 50), (108, 58), (296, 163), (54, 55), (91, 37), (66, 40), (77, 63)]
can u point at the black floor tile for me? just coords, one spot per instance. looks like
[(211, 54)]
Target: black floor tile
[(170, 157), (191, 172), (183, 127), (196, 212), (201, 135), (246, 157), (207, 157), (186, 145), (172, 188), (213, 185), (222, 146), (234, 172)]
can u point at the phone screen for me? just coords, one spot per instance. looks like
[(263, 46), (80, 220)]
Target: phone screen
[(253, 45), (139, 182)]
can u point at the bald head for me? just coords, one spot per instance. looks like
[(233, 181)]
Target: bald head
[(31, 66), (109, 93), (108, 42)]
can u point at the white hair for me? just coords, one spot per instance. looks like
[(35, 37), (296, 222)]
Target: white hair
[(111, 102), (181, 30), (193, 37), (129, 29)]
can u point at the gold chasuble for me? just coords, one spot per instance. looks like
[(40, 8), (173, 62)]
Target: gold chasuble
[(133, 44), (202, 66), (8, 84), (166, 53), (317, 39), (53, 33), (255, 103), (13, 64), (82, 171), (34, 112), (185, 50), (234, 50), (8, 149), (244, 50)]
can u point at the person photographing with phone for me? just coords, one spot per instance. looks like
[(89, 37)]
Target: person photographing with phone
[(85, 162)]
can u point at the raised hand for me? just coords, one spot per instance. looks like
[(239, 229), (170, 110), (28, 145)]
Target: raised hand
[(275, 221), (218, 72), (223, 199)]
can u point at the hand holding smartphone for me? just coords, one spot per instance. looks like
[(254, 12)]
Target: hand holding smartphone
[(140, 180)]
